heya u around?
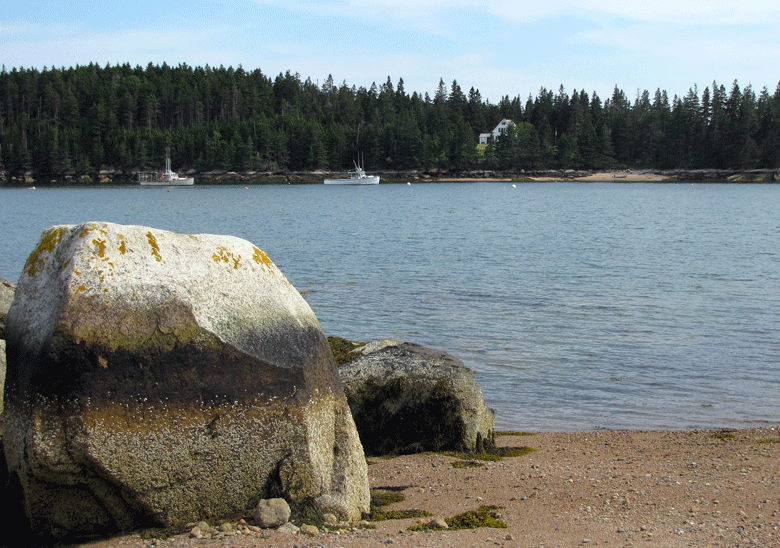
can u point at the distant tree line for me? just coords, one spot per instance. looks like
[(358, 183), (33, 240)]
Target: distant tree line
[(56, 122)]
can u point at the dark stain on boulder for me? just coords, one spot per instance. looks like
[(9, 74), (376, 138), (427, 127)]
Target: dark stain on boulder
[(390, 419)]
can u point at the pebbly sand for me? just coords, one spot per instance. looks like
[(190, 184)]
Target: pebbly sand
[(615, 177), (605, 488), (626, 176)]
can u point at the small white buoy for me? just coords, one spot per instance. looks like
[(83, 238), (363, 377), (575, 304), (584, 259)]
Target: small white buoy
[(514, 186), (408, 183)]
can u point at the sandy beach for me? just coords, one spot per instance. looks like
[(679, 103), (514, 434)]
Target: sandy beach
[(605, 488), (627, 176), (614, 177)]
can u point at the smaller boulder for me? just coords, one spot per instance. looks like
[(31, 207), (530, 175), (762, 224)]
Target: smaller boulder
[(272, 513), (406, 398)]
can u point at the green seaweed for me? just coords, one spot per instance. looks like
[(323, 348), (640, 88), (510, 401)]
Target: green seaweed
[(342, 349), (308, 512), (487, 450), (484, 516), (403, 514), (724, 436), (381, 498), (461, 464)]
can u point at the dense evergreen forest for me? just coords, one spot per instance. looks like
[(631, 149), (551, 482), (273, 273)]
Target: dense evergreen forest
[(57, 122)]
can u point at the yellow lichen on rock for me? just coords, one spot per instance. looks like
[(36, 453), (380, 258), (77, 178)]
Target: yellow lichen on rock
[(223, 255), (36, 262), (101, 247), (261, 258), (155, 247)]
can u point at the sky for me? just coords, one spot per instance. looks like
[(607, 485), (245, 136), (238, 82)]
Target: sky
[(499, 47)]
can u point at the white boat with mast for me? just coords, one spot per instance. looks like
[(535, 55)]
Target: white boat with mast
[(356, 177), (166, 178)]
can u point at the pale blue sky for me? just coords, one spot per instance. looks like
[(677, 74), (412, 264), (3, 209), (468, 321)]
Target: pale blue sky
[(500, 47)]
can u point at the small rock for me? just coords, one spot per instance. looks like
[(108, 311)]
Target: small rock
[(330, 520), (203, 530), (288, 528), (310, 530), (272, 513)]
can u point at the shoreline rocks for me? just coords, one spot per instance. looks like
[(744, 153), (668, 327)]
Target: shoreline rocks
[(217, 177)]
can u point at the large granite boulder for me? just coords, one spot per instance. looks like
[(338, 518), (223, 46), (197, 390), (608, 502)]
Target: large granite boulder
[(6, 297), (2, 376), (406, 398), (158, 378)]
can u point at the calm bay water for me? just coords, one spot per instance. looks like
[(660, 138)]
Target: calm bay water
[(579, 305)]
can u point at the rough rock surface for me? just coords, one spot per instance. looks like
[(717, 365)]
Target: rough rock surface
[(6, 297), (2, 374), (158, 379), (407, 398)]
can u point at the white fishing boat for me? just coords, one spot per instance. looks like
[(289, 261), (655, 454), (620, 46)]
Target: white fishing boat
[(356, 177), (166, 178)]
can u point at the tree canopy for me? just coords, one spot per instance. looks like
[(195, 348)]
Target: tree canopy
[(78, 120)]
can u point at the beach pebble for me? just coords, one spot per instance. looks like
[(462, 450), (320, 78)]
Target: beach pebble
[(310, 530)]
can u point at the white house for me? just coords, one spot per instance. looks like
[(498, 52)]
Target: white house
[(497, 132)]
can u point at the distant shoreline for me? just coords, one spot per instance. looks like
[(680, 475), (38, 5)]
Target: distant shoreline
[(111, 177)]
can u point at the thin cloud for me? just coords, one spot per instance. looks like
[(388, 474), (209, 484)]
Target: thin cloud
[(703, 12), (499, 47)]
